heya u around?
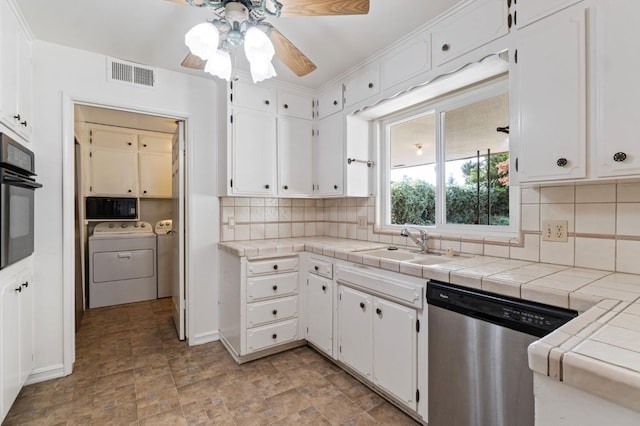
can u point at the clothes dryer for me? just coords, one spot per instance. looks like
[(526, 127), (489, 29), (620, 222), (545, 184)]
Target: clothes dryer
[(164, 254)]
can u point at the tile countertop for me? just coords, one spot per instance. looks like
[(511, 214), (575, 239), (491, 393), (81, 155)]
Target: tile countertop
[(598, 352)]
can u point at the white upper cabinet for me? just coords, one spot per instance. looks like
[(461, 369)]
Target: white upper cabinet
[(295, 105), (113, 172), (295, 157), (550, 97), (15, 73), (478, 23), (407, 60), (253, 153), (617, 87), (246, 95), (155, 174), (529, 11), (155, 143), (114, 138), (362, 84), (329, 156), (330, 101)]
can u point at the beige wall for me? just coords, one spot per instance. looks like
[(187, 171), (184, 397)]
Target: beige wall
[(603, 221)]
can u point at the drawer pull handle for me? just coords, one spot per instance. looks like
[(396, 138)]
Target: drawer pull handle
[(561, 162), (275, 288), (362, 305), (317, 268), (324, 288), (619, 157), (274, 336), (378, 311), (275, 267), (274, 312)]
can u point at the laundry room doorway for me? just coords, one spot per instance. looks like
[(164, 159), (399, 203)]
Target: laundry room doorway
[(130, 198)]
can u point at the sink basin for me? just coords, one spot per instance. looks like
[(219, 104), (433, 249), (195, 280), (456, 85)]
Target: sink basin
[(407, 256)]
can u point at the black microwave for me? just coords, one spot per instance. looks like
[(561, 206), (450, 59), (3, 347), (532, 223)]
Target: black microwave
[(111, 208)]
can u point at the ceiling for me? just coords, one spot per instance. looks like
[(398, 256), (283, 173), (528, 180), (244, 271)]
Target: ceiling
[(151, 32)]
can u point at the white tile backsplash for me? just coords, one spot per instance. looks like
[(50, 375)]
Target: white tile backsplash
[(627, 219), (557, 194), (592, 218)]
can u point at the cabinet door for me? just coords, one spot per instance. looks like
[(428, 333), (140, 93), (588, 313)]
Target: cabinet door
[(295, 157), (363, 84), (355, 330), (320, 313), (10, 373), (330, 156), (395, 350), (254, 153), (617, 87), (154, 143), (330, 101), (104, 138), (295, 105), (412, 58), (113, 172), (247, 95), (26, 325), (529, 11), (155, 175), (9, 59), (550, 86), (479, 23), (24, 89)]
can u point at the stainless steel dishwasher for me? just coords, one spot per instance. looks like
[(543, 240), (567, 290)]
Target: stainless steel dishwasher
[(478, 370)]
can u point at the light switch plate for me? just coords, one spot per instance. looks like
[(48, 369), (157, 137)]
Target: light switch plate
[(555, 230), (362, 222), (232, 222)]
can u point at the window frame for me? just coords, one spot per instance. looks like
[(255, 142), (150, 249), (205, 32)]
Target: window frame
[(439, 106)]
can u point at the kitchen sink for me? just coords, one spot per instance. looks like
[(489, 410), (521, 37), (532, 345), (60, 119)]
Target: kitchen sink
[(407, 256)]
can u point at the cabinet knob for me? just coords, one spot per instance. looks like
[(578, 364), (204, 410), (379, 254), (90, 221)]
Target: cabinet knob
[(25, 284), (17, 117), (362, 305), (445, 47), (18, 289), (324, 288), (335, 186), (285, 187), (129, 143), (144, 145), (286, 106), (509, 21), (274, 312), (24, 123), (129, 191), (370, 85), (266, 101), (275, 267), (317, 268), (274, 336), (266, 186), (145, 191), (619, 157), (561, 162), (378, 311), (335, 102)]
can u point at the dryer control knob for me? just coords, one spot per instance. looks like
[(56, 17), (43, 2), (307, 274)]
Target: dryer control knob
[(124, 225), (111, 225), (143, 225)]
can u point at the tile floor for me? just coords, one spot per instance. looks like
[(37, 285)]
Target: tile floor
[(131, 370)]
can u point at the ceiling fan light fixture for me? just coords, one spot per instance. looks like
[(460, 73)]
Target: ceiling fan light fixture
[(219, 65), (202, 40), (259, 51)]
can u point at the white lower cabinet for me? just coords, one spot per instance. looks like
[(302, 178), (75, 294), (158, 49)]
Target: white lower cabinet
[(378, 339), (16, 340), (320, 313)]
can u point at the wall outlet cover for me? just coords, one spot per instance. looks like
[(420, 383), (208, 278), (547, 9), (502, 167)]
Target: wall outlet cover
[(362, 222), (555, 230)]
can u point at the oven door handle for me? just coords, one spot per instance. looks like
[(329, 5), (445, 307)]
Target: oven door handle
[(22, 182)]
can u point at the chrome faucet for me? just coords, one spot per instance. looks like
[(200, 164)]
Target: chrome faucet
[(422, 242)]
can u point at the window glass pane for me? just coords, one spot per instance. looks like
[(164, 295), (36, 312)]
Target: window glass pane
[(477, 163), (412, 146)]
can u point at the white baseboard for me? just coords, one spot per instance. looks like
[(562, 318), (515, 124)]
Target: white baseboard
[(45, 373), (202, 338)]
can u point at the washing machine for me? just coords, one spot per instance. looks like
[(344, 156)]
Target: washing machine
[(122, 263), (164, 255)]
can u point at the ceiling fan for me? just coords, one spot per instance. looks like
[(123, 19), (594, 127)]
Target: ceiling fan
[(236, 24)]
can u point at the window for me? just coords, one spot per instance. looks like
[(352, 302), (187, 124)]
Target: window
[(448, 163)]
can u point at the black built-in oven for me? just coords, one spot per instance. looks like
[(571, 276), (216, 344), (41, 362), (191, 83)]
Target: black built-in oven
[(17, 187)]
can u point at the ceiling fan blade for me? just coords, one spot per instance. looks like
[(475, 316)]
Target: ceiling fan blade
[(324, 7), (193, 61), (290, 55)]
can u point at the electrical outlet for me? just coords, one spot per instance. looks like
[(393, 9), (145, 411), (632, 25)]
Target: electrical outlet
[(554, 230), (362, 222), (232, 222)]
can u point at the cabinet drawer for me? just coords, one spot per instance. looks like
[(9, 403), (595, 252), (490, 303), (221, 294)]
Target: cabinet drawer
[(471, 27), (273, 310), (320, 267), (270, 266), (271, 286), (272, 335), (293, 105)]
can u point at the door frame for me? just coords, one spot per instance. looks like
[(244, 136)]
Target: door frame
[(68, 195)]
